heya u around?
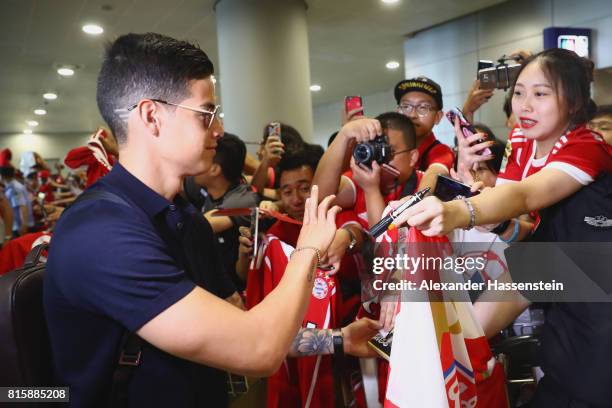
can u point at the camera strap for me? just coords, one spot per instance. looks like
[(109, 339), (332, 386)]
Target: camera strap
[(422, 165), (410, 186)]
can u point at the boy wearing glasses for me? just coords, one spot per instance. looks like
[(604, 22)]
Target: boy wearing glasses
[(420, 99)]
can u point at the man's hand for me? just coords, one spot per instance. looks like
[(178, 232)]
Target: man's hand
[(356, 336), (387, 312), (337, 249), (361, 130), (476, 98), (269, 205), (351, 115), (273, 151), (367, 178), (245, 249), (319, 224)]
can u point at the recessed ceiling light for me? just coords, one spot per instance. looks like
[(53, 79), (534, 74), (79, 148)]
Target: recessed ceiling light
[(93, 29), (65, 71), (390, 1), (392, 65), (32, 123), (40, 112), (50, 96), (27, 131), (315, 88)]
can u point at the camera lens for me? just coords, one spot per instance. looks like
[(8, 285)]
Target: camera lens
[(363, 153)]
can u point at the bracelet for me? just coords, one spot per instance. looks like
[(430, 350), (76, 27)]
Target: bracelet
[(501, 228), (316, 250), (515, 233), (472, 213), (338, 340)]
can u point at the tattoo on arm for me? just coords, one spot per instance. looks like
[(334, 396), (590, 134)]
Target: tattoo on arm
[(312, 342)]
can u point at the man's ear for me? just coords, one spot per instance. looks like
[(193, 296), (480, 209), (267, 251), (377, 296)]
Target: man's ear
[(149, 116), (413, 156), (439, 115)]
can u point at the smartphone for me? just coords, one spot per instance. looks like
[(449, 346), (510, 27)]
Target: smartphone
[(448, 189), (352, 103), (483, 64), (274, 130), (466, 127)]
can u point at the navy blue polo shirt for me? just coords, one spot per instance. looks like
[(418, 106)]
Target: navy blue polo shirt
[(113, 267)]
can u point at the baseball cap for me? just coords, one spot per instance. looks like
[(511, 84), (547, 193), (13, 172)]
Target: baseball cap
[(419, 84)]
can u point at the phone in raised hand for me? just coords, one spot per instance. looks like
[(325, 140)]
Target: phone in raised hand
[(352, 103), (467, 129)]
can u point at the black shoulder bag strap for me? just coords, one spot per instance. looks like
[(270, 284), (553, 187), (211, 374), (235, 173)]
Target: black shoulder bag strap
[(131, 344), (422, 158)]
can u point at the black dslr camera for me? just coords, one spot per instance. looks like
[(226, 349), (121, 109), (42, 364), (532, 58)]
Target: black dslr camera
[(377, 149)]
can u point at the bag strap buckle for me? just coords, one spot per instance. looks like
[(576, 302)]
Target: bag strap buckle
[(130, 359)]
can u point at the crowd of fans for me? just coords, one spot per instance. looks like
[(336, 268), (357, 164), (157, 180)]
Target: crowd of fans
[(550, 103)]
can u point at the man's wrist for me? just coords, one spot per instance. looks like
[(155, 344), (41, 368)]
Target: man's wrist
[(338, 342)]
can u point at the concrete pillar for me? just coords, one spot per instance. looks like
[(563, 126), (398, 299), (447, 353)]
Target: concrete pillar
[(263, 67)]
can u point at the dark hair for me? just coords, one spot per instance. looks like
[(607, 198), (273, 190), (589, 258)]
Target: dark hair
[(290, 137), (497, 148), (603, 110), (332, 138), (309, 156), (569, 75), (399, 122), (508, 105), (230, 155), (7, 172), (150, 65)]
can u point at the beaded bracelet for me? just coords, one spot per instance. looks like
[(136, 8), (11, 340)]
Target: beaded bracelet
[(472, 213)]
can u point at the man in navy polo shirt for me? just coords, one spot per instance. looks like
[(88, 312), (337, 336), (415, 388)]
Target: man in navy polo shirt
[(116, 263)]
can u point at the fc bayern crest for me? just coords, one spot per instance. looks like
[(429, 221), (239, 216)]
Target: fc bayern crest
[(320, 289)]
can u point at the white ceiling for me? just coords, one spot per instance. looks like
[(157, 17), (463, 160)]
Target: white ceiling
[(350, 41)]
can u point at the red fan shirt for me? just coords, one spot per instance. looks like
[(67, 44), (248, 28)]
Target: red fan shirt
[(430, 154), (580, 153), (98, 164), (14, 252), (360, 202)]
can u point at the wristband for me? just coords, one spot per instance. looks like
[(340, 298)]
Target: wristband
[(515, 233), (470, 207), (353, 242), (316, 250), (338, 340)]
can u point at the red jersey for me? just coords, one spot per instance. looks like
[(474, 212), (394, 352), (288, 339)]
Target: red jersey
[(289, 233), (580, 153), (47, 189), (431, 152), (359, 201), (93, 156), (14, 252)]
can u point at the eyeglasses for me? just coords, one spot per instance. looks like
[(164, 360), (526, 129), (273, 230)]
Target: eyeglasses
[(422, 110), (208, 116)]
